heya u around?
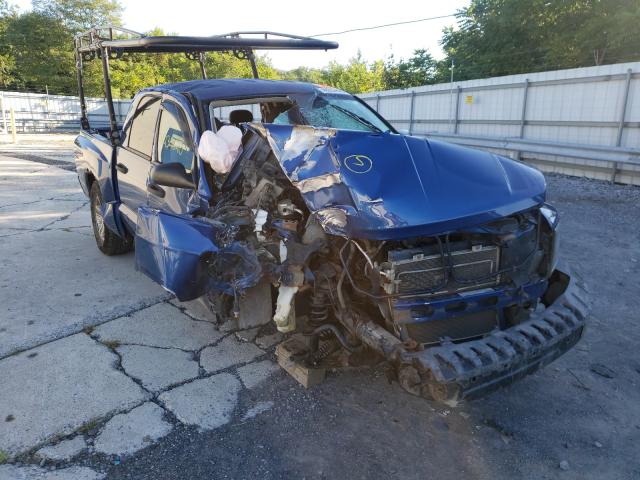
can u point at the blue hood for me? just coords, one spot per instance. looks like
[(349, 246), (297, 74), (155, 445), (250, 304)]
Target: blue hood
[(390, 186)]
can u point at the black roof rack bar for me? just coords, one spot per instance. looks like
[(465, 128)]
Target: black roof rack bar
[(266, 34), (93, 40), (110, 29), (110, 42)]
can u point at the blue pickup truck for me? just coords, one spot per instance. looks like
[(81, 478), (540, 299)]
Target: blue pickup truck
[(439, 259)]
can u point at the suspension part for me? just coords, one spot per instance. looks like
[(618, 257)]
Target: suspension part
[(326, 348), (319, 307)]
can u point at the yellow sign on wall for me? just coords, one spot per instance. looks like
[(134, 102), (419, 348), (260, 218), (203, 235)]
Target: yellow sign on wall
[(469, 100)]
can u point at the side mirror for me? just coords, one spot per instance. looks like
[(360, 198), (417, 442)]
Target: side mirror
[(171, 175)]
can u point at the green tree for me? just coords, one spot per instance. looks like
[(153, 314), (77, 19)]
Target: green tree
[(80, 15), (36, 48), (501, 37), (7, 61), (420, 69), (41, 54), (356, 76), (594, 32), (304, 74)]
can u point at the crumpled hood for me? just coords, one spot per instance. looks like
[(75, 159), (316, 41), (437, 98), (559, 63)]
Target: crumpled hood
[(388, 186)]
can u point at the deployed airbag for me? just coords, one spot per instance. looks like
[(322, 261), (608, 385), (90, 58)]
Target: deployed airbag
[(220, 149)]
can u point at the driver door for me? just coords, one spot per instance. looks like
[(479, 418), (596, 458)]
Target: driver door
[(173, 145), (134, 157), (171, 244)]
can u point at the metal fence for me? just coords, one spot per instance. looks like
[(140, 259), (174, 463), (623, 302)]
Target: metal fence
[(37, 112), (583, 121)]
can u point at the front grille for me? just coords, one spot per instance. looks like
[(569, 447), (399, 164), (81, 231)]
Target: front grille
[(426, 273)]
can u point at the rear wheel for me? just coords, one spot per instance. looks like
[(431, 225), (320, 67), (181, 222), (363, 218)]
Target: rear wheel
[(108, 242)]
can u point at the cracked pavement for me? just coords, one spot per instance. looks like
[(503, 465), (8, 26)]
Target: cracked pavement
[(88, 341), (105, 375)]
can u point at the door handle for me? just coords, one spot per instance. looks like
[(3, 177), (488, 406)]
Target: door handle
[(121, 167), (155, 190)]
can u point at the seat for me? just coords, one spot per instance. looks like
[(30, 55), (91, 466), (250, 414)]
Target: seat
[(240, 116)]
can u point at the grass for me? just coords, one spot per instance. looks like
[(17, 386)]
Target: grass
[(88, 426), (4, 457), (112, 344)]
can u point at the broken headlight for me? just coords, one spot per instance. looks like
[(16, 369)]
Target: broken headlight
[(550, 214)]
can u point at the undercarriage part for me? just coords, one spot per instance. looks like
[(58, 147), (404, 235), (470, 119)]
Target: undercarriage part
[(308, 368), (329, 328), (376, 337), (323, 338), (325, 348), (319, 307), (318, 312)]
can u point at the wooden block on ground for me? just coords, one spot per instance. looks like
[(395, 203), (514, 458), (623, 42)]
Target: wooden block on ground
[(307, 377)]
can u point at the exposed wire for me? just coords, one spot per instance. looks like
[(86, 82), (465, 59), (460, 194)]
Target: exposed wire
[(383, 26), (363, 253)]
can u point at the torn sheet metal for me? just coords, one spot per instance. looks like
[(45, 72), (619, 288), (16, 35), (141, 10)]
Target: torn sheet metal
[(234, 269), (178, 253), (173, 251)]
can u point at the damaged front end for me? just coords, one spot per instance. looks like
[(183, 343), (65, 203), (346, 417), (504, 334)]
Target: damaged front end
[(438, 259)]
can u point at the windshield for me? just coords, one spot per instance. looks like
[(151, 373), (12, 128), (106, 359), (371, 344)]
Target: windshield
[(332, 111)]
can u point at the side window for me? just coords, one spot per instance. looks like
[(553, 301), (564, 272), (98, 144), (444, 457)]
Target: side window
[(143, 125), (174, 137)]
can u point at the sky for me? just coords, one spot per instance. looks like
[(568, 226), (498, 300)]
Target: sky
[(193, 17)]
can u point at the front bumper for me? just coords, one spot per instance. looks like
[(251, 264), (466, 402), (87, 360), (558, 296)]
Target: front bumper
[(453, 372)]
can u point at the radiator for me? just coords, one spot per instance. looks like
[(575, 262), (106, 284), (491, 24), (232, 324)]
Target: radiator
[(421, 273)]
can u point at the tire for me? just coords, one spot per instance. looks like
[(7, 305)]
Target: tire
[(108, 242)]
